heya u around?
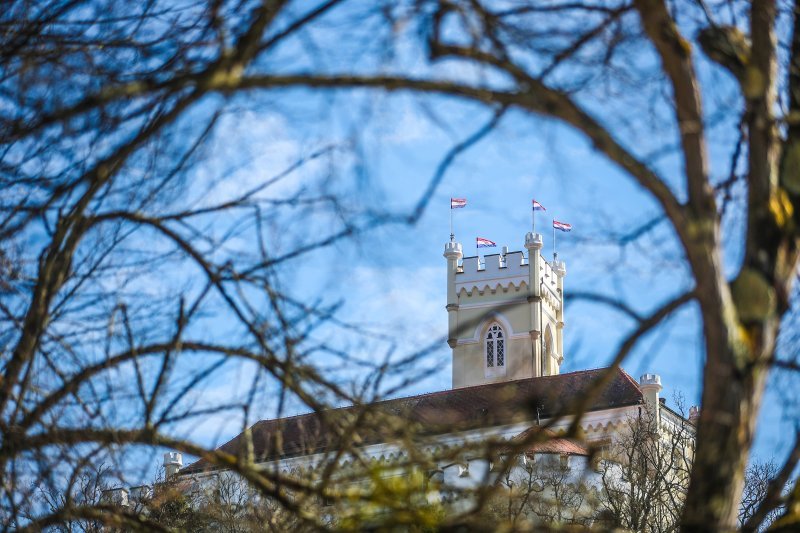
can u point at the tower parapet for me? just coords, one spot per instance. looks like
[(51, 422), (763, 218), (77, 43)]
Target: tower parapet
[(505, 314), (496, 271)]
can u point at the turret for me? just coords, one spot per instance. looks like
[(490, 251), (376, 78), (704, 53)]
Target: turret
[(453, 253), (173, 461), (534, 243), (651, 386), (560, 269)]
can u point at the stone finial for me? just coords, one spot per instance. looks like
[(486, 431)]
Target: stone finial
[(452, 250), (533, 241), (648, 380)]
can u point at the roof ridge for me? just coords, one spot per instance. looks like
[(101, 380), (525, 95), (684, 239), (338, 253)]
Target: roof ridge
[(440, 392), (630, 378)]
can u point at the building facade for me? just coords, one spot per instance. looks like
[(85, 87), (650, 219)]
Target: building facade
[(505, 330)]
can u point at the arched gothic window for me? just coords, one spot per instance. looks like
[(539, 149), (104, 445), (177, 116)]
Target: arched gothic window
[(495, 347)]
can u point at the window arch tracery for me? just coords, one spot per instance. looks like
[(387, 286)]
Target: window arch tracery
[(495, 344)]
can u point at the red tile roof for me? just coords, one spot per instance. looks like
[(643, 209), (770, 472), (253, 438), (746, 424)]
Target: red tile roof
[(435, 413), (551, 443)]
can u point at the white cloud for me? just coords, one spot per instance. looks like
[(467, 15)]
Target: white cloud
[(250, 148)]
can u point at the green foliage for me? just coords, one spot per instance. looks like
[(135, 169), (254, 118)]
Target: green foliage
[(390, 499)]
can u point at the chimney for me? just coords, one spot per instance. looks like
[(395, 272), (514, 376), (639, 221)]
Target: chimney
[(651, 386), (694, 414), (173, 461)]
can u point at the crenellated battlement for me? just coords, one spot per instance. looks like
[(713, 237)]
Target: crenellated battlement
[(505, 271), (650, 380), (494, 265)]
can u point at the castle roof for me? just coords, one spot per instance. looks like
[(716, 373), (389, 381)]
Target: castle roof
[(548, 441), (438, 413)]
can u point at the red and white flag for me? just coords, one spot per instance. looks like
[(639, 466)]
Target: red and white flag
[(537, 206), (484, 243), (562, 226), (457, 203)]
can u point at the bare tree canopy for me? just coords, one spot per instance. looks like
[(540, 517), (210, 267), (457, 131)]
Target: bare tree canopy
[(138, 264)]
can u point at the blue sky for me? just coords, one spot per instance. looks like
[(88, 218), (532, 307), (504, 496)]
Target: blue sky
[(385, 149), (393, 278)]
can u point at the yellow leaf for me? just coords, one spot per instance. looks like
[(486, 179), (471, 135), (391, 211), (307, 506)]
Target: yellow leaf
[(781, 207)]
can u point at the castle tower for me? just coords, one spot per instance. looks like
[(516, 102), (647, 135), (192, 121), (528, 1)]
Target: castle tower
[(505, 315)]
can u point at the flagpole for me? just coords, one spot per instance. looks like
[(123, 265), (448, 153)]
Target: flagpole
[(533, 218), (452, 236), (555, 254)]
